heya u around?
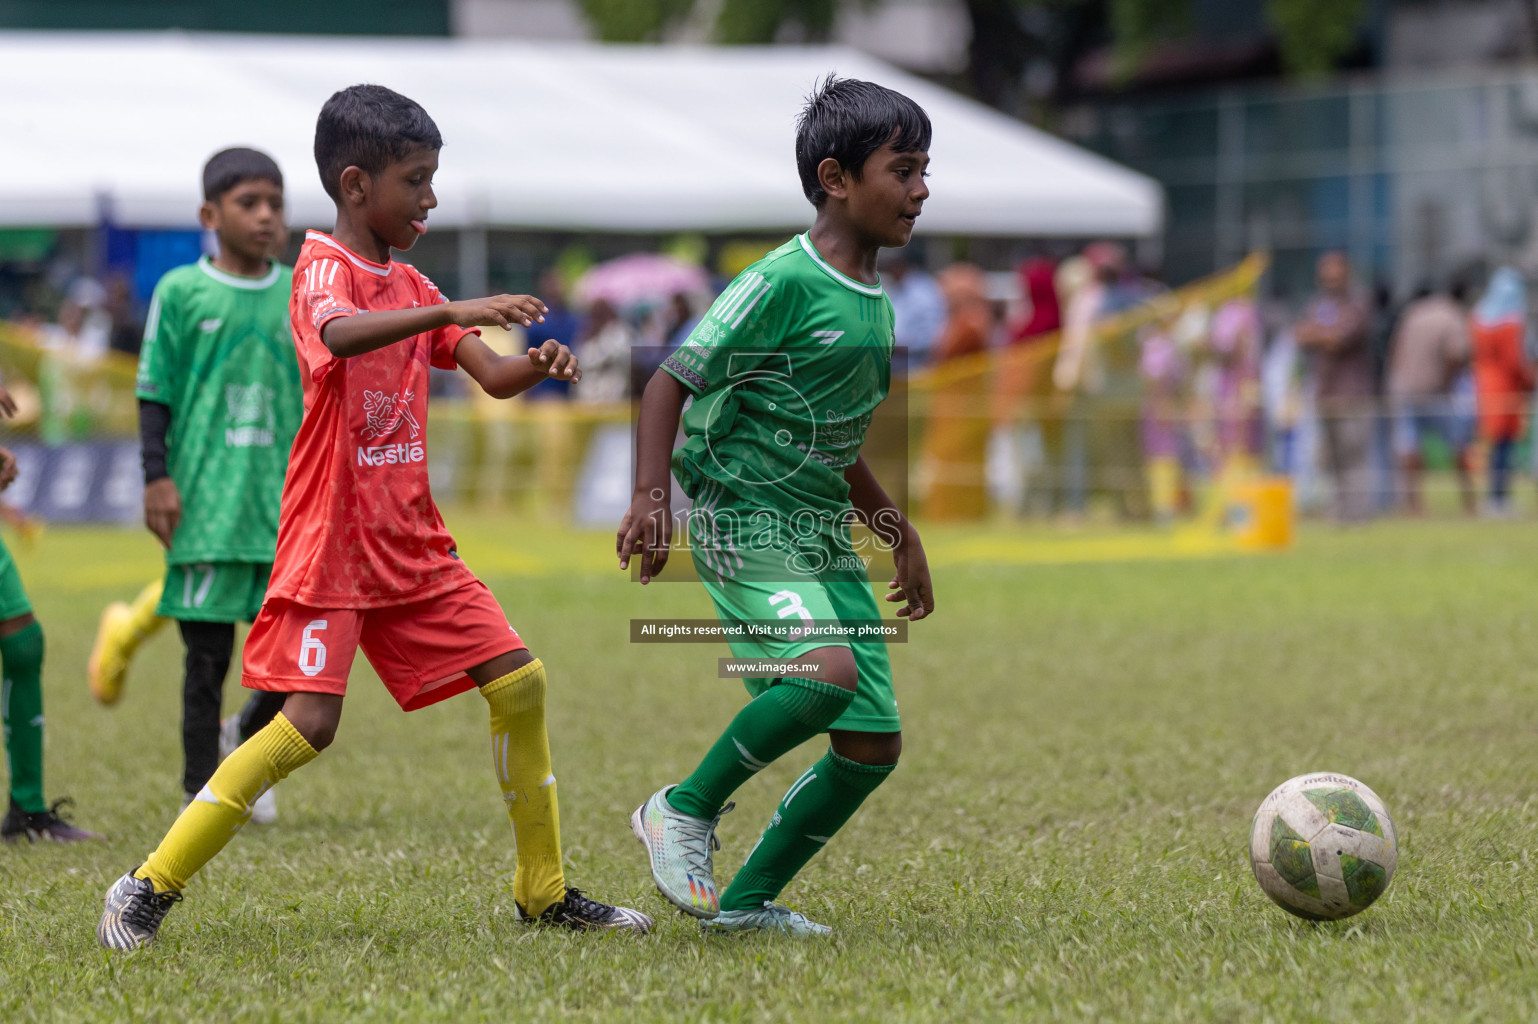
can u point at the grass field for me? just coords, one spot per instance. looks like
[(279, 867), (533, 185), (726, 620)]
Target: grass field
[(1065, 839)]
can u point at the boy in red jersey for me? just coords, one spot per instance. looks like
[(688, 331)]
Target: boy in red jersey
[(363, 556)]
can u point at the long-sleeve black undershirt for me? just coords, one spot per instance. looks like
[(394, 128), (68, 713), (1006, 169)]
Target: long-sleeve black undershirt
[(154, 424)]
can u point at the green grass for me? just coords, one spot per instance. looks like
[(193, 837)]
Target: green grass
[(1065, 839)]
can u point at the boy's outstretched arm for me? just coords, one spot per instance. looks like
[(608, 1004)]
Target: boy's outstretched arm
[(648, 525), (506, 376), (877, 511), (348, 336)]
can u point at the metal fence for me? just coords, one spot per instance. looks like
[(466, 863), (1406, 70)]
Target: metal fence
[(1414, 178)]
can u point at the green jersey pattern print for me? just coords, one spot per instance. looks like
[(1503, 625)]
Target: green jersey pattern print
[(786, 371), (218, 352)]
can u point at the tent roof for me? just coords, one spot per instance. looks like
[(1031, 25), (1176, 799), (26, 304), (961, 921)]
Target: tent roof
[(537, 135)]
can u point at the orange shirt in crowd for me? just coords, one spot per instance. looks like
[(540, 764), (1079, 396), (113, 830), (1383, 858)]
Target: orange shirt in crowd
[(1503, 378)]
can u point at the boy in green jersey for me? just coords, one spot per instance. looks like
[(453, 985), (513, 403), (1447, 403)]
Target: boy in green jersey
[(785, 372), (219, 403), (29, 815)]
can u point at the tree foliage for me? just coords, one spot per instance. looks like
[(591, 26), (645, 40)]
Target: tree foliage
[(634, 21), (1313, 35), (760, 21), (1137, 24)]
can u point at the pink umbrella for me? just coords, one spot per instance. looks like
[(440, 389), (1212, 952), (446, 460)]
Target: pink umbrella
[(642, 278)]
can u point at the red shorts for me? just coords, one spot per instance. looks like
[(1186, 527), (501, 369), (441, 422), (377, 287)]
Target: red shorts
[(420, 650)]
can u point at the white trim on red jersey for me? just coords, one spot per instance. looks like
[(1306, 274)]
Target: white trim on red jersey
[(381, 269)]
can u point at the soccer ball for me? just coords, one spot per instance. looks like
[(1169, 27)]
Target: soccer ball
[(1323, 846)]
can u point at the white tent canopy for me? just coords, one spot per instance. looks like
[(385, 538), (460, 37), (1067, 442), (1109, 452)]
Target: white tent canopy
[(566, 137)]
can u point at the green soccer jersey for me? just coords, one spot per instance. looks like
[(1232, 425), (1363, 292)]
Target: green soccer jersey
[(217, 350), (786, 370)]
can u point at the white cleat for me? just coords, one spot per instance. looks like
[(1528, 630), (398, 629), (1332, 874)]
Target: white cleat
[(771, 917), (229, 736), (680, 848), (265, 810)]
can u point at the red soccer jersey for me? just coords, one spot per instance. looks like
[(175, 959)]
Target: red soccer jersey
[(358, 526)]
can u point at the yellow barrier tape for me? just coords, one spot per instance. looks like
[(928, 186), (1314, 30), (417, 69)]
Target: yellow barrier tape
[(21, 353), (1212, 290)]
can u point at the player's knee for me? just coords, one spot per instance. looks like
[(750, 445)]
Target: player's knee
[(882, 748), (12, 626), (23, 638), (317, 733), (888, 748), (501, 665), (320, 738), (315, 716)]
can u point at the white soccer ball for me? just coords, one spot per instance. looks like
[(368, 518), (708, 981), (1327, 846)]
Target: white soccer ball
[(1323, 846)]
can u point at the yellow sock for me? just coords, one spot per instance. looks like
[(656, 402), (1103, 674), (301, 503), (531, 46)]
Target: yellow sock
[(1164, 486), (143, 622), (520, 753), (222, 806)]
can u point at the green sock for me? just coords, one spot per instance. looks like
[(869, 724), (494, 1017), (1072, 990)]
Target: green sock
[(21, 708), (813, 809), (781, 718)]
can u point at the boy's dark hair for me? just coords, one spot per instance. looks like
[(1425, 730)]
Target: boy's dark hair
[(848, 119), (368, 126), (230, 167)]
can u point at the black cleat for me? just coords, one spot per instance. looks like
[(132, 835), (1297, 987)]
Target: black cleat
[(49, 825), (133, 913), (579, 913)]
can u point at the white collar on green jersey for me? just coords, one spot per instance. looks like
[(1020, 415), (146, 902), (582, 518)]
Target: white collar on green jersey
[(805, 238), (254, 284)]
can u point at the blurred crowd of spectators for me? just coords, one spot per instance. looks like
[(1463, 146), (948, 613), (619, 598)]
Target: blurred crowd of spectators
[(1380, 390), (1348, 394)]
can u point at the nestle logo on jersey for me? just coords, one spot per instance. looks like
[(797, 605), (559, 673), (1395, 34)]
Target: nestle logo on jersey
[(383, 415), (251, 415), (391, 454), (247, 437)]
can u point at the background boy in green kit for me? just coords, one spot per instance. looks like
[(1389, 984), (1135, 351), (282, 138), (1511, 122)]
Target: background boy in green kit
[(219, 403), (785, 373), (29, 815)]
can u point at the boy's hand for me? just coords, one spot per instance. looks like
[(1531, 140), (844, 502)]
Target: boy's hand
[(556, 360), (162, 509), (497, 311), (7, 403), (647, 528), (7, 467), (911, 584)]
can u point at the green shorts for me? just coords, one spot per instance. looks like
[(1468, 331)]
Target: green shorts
[(755, 572), (13, 596), (214, 591)]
